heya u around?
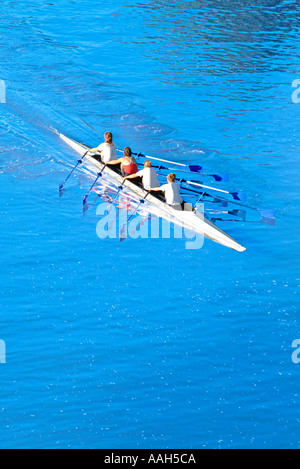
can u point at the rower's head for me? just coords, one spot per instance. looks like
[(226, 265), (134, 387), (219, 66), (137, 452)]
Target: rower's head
[(127, 151), (171, 177), (108, 137), (147, 164)]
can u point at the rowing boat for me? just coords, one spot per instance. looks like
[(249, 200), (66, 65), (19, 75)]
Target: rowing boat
[(189, 218)]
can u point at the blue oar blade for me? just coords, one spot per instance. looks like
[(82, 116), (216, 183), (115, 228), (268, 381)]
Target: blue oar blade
[(62, 185), (268, 216), (221, 177), (116, 196), (239, 196), (238, 213), (195, 168), (61, 188), (225, 177), (85, 199)]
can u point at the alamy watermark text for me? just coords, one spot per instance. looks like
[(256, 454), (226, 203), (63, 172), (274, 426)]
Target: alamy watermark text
[(296, 93), (115, 223), (2, 92), (2, 352)]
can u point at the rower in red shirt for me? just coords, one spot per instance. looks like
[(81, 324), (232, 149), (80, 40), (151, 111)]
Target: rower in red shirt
[(128, 163)]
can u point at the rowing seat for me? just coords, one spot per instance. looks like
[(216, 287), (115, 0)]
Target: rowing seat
[(159, 195), (138, 181), (116, 168), (97, 157)]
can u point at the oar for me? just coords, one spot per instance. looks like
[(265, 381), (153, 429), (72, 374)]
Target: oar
[(119, 190), (193, 168), (236, 195), (85, 199), (217, 177), (62, 185)]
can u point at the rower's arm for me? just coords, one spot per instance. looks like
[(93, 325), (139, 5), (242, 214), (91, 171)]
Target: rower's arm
[(94, 150), (132, 176), (115, 161), (155, 189)]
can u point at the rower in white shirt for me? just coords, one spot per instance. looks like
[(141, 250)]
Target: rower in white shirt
[(148, 174), (107, 149), (172, 192)]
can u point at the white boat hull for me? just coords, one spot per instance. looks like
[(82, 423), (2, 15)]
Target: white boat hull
[(189, 219)]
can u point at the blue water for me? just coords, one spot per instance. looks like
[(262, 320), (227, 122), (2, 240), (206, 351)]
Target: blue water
[(145, 344)]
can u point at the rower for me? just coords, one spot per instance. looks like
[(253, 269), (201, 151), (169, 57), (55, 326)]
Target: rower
[(128, 163), (107, 149), (172, 192), (148, 174)]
